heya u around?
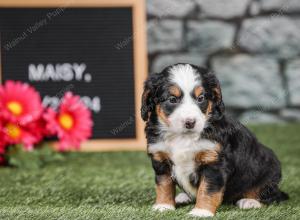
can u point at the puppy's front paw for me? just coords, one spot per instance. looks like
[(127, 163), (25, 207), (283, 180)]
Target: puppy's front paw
[(201, 213), (248, 204), (163, 207)]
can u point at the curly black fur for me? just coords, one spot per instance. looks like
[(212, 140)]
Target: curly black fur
[(244, 163)]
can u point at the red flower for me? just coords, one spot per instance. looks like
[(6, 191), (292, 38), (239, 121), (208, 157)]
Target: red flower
[(14, 133), (38, 129), (19, 103), (2, 141), (72, 123)]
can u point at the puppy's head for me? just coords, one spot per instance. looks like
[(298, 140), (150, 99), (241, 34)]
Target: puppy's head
[(183, 98)]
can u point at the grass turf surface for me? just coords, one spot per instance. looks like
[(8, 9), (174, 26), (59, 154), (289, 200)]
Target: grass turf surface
[(120, 185)]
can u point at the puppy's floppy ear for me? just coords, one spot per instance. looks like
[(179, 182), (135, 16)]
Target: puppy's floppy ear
[(149, 99), (218, 108), (212, 84), (145, 111)]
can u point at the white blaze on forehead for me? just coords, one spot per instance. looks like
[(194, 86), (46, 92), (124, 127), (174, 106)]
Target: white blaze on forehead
[(185, 76)]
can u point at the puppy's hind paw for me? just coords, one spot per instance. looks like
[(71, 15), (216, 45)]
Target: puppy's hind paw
[(182, 198), (248, 204), (163, 207), (203, 213)]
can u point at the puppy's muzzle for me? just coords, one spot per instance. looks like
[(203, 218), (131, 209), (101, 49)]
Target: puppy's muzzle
[(190, 123)]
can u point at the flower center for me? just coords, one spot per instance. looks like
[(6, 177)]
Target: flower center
[(66, 121), (13, 131), (15, 108)]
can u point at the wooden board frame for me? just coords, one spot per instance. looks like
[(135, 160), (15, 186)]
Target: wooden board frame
[(140, 61)]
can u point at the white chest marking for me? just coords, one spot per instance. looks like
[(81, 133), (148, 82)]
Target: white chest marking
[(182, 151)]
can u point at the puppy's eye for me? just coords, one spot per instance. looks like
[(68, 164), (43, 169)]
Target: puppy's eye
[(173, 99), (200, 99)]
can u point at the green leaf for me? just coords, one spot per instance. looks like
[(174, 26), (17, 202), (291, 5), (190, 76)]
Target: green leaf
[(37, 158)]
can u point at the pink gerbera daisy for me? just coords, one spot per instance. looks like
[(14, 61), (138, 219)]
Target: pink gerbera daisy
[(14, 133), (19, 103), (38, 129), (72, 123), (2, 141)]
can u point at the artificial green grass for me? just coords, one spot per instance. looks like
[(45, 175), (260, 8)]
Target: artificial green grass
[(120, 185)]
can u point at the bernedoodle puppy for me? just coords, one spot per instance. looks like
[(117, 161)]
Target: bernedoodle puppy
[(193, 144)]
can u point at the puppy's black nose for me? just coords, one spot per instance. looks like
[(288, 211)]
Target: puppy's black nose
[(190, 123)]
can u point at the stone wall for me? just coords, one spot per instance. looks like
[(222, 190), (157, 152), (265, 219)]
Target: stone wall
[(252, 45)]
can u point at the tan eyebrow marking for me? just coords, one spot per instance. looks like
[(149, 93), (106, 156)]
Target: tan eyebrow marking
[(198, 91), (175, 91)]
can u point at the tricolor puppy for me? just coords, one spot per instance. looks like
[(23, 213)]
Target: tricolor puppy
[(210, 156)]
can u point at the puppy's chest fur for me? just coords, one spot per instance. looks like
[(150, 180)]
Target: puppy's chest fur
[(186, 153)]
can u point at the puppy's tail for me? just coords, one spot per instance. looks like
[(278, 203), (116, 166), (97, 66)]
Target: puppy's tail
[(271, 194)]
